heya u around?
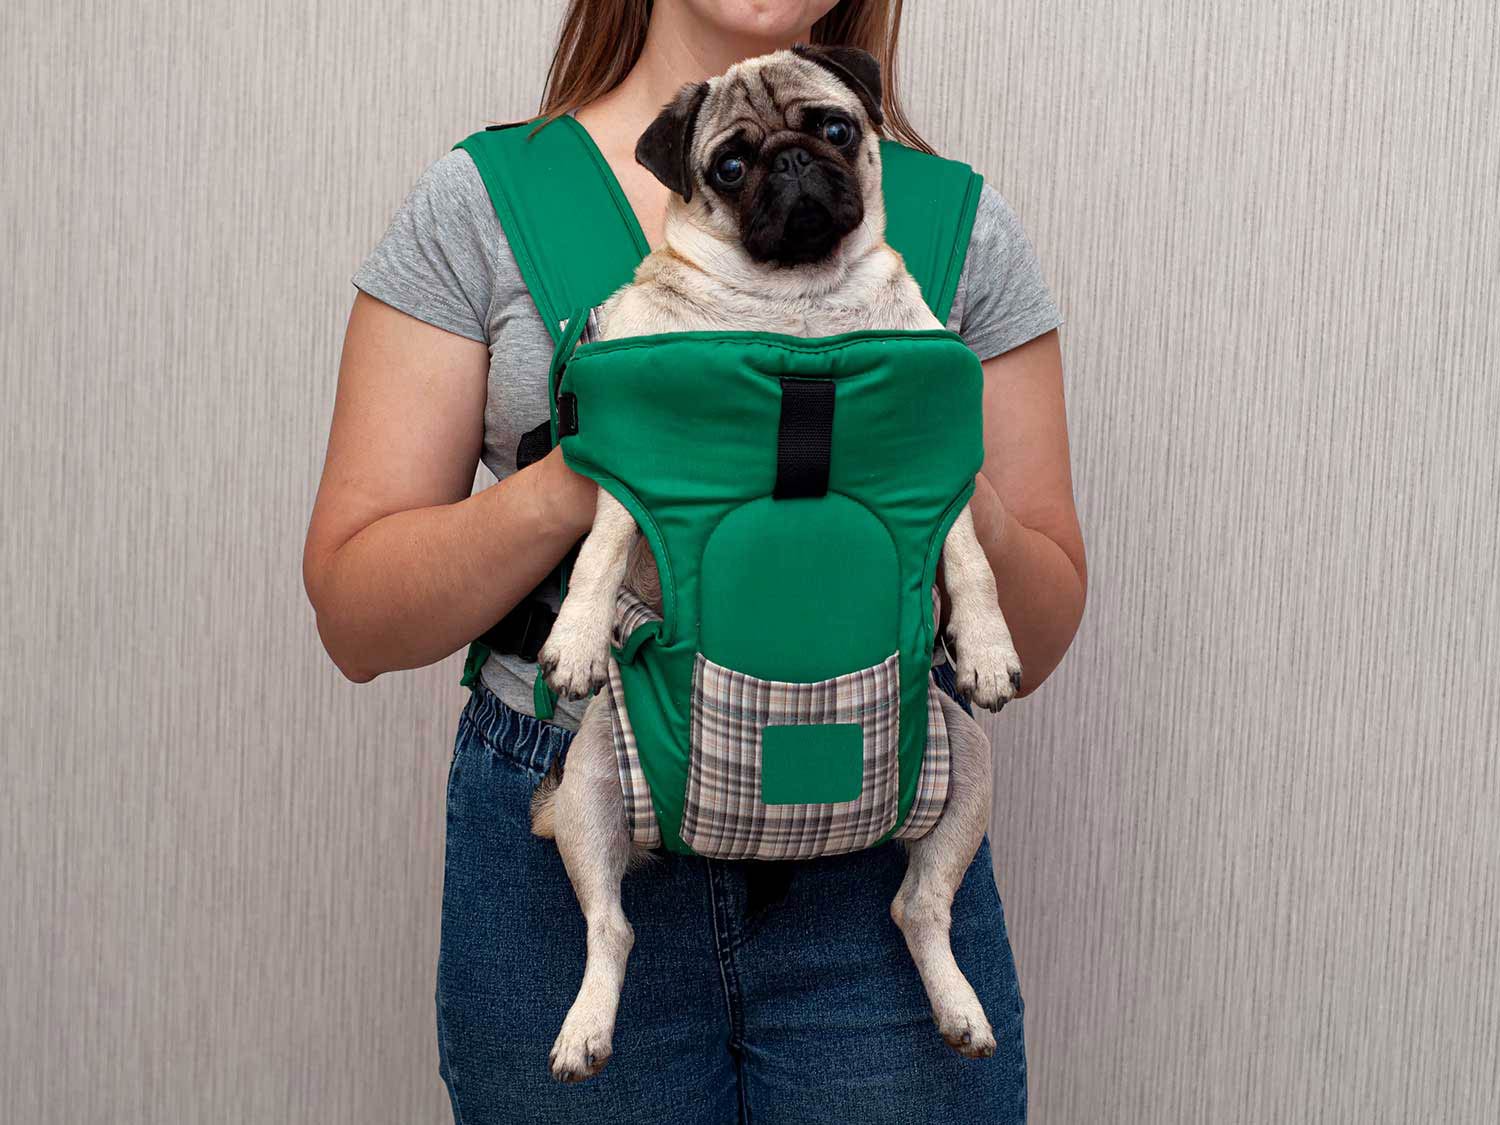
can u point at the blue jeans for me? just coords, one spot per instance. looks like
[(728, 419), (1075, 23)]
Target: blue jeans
[(769, 993)]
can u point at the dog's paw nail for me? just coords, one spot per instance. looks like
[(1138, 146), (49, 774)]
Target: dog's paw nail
[(1015, 680), (966, 1030)]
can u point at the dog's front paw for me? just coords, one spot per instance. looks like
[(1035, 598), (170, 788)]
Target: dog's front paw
[(574, 665), (582, 1048), (965, 1029), (988, 674)]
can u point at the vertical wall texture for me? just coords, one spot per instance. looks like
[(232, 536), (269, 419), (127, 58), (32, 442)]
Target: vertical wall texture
[(1247, 836)]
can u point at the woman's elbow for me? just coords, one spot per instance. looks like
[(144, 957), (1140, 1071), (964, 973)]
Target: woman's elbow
[(1051, 647), (353, 674), (343, 654), (346, 655)]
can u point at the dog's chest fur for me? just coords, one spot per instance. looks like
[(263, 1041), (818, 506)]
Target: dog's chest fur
[(671, 293)]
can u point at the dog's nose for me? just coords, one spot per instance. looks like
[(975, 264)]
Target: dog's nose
[(791, 161)]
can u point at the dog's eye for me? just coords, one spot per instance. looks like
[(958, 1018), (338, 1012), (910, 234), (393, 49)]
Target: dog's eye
[(838, 131), (729, 170)]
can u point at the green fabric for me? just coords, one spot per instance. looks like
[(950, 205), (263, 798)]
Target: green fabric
[(780, 598), (682, 429), (930, 205), (570, 227), (817, 764), (474, 660)]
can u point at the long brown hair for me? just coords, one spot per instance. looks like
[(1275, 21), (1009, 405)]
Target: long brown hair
[(601, 40)]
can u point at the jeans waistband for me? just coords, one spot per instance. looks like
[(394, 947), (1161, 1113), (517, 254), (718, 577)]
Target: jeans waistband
[(524, 739)]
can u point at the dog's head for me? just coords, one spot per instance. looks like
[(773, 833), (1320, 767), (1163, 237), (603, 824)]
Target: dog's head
[(780, 153)]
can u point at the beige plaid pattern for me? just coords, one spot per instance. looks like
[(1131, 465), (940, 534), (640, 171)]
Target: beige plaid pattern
[(932, 781), (630, 614), (640, 816), (724, 816)]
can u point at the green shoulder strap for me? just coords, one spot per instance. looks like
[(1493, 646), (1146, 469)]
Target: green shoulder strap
[(573, 234), (929, 214), (574, 238)]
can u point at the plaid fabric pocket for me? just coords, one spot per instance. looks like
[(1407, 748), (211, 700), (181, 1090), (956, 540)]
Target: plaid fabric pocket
[(725, 815)]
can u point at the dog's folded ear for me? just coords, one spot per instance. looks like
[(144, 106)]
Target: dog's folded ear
[(666, 147), (857, 69)]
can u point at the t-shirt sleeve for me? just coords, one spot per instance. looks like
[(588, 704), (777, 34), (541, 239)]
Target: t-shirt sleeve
[(431, 263), (1003, 301)]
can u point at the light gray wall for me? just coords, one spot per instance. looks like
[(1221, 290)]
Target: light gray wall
[(1247, 836)]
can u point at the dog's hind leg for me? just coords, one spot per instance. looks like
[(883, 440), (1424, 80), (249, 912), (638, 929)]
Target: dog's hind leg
[(586, 815), (935, 867)]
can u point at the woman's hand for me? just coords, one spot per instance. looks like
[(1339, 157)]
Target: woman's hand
[(402, 564)]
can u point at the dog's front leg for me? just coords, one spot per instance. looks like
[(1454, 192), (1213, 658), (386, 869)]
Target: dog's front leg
[(575, 659), (923, 907), (985, 662), (587, 818)]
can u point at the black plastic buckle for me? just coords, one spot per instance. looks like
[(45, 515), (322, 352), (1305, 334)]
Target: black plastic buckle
[(522, 631)]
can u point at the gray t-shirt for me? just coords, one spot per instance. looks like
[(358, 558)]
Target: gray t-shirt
[(445, 260)]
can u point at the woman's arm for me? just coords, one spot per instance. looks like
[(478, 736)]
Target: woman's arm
[(402, 565), (1023, 505)]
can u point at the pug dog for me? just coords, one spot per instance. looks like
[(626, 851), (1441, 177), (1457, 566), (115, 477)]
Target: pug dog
[(776, 224)]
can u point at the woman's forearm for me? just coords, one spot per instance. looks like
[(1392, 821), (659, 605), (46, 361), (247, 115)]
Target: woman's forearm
[(1041, 589), (413, 587)]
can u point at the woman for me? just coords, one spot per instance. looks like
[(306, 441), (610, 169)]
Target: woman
[(770, 992)]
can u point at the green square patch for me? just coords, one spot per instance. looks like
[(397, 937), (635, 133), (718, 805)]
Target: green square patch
[(811, 764)]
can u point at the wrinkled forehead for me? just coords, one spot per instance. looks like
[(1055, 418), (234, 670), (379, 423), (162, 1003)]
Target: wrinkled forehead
[(768, 95)]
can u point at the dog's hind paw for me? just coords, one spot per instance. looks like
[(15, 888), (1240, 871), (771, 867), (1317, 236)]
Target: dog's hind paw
[(965, 1029), (580, 1051)]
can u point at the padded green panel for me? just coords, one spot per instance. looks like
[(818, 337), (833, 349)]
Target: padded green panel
[(815, 764), (907, 441), (780, 598)]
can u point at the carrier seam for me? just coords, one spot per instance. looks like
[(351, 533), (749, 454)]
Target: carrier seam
[(898, 337)]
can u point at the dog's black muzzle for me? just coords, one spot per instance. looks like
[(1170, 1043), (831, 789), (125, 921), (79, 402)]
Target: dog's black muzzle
[(804, 208)]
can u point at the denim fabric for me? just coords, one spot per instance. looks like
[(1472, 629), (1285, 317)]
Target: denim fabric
[(769, 993)]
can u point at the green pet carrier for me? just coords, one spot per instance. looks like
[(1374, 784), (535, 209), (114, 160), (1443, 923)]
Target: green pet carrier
[(795, 494)]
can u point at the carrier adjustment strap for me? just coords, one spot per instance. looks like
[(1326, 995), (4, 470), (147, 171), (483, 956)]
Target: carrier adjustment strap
[(804, 439)]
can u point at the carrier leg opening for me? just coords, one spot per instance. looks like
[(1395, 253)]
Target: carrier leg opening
[(922, 908)]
